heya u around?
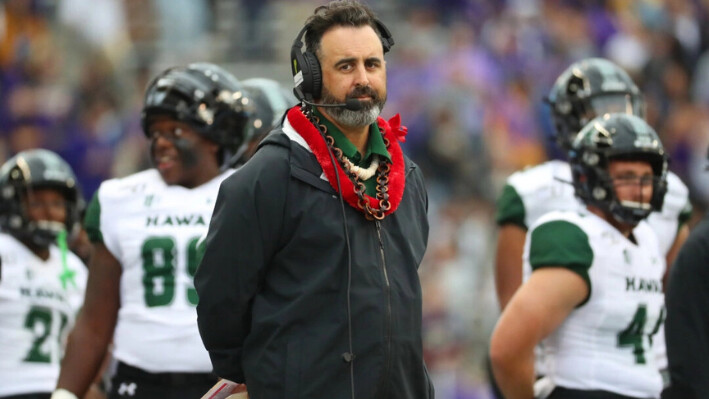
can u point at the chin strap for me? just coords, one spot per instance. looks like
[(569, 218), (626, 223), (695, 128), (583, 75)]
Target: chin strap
[(67, 274)]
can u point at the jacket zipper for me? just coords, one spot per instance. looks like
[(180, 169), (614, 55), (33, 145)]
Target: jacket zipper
[(388, 314)]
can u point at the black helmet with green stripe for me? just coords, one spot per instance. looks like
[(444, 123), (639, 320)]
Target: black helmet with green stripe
[(622, 137)]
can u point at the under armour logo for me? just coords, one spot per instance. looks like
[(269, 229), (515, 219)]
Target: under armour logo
[(127, 388)]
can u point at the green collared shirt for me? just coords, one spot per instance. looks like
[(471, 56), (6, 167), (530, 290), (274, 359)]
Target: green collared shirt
[(375, 145)]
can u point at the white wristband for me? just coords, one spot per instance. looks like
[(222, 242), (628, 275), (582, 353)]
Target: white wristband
[(62, 393)]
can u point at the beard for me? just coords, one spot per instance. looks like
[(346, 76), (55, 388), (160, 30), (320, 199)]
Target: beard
[(362, 117)]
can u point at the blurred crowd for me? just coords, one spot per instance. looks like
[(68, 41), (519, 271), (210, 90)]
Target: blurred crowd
[(469, 78)]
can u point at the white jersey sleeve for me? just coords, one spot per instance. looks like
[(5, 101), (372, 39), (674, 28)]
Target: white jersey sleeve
[(153, 230), (606, 343), (535, 191), (39, 301)]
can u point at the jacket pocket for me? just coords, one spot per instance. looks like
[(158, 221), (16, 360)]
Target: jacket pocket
[(293, 369)]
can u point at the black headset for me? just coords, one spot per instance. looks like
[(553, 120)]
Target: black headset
[(305, 66)]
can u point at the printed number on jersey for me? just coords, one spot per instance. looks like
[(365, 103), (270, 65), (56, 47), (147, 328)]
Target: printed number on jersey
[(632, 336), (160, 259), (41, 322)]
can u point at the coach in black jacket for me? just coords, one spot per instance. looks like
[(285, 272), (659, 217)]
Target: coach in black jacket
[(304, 294), (687, 325)]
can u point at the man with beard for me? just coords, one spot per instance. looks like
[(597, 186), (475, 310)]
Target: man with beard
[(309, 287), (144, 229)]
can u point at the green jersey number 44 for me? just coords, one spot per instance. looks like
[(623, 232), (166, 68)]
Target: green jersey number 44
[(632, 336)]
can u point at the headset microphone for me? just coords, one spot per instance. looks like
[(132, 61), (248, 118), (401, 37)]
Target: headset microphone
[(351, 103)]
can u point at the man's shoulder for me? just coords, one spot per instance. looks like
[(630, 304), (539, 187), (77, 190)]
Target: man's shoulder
[(592, 225), (144, 181), (270, 161), (409, 164), (276, 138), (567, 216), (540, 177), (699, 236), (677, 197), (9, 243), (535, 191)]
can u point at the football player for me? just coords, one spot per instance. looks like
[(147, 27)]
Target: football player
[(593, 276), (43, 283), (586, 89), (144, 229)]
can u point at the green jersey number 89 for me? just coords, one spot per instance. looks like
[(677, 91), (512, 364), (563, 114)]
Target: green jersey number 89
[(160, 255)]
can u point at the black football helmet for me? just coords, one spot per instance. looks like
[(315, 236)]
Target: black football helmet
[(205, 96), (271, 101), (617, 136), (589, 88), (31, 170)]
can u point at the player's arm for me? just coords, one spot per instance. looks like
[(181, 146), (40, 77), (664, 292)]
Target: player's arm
[(560, 256), (508, 262), (510, 244), (90, 337), (537, 308)]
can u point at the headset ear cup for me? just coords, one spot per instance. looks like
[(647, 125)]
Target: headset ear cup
[(315, 86), (385, 35)]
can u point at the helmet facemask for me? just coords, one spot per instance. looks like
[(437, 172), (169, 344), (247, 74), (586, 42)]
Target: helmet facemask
[(207, 98), (590, 159), (43, 232), (20, 177)]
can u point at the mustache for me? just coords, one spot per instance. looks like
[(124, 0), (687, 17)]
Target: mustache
[(363, 91)]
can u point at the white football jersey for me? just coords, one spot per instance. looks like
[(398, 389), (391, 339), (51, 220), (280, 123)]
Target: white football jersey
[(38, 305), (547, 187), (605, 343), (153, 230), (536, 191)]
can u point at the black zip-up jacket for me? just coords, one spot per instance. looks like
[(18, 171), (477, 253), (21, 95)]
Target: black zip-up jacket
[(273, 284), (687, 324)]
